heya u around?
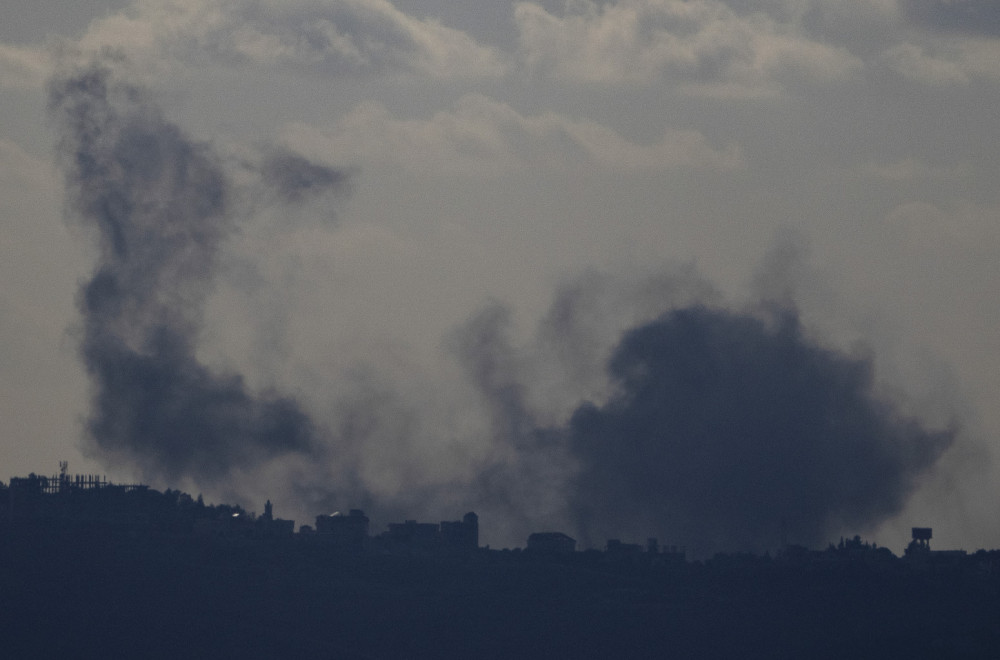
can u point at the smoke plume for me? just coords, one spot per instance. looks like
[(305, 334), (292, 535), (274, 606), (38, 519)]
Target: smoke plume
[(713, 429), (295, 179), (524, 483), (728, 431), (160, 204)]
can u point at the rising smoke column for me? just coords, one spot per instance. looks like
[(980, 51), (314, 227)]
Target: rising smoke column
[(160, 203), (523, 481), (724, 431), (728, 431)]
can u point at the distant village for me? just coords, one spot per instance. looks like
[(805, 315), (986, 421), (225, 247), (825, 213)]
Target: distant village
[(67, 503)]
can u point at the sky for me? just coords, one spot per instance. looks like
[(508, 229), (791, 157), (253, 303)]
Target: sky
[(718, 272)]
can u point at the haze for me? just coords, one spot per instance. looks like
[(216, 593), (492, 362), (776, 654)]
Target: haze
[(429, 257)]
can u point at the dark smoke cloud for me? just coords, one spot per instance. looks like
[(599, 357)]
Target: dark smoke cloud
[(159, 202), (294, 179), (721, 430), (731, 432), (592, 310)]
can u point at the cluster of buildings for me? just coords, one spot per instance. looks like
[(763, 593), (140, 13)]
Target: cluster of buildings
[(65, 502), (68, 501), (410, 537)]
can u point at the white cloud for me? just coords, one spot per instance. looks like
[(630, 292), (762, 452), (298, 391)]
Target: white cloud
[(913, 62), (333, 37), (23, 67), (702, 43), (946, 60), (481, 135)]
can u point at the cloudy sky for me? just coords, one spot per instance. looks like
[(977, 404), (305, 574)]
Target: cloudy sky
[(405, 240)]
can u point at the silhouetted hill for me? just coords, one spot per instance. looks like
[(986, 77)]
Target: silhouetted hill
[(89, 569), (80, 594)]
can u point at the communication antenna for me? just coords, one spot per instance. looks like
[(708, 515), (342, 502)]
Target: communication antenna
[(63, 467)]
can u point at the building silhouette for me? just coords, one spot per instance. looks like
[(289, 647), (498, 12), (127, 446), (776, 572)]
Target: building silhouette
[(348, 532), (551, 542)]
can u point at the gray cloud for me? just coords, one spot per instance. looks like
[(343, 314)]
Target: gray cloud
[(296, 179), (349, 38), (704, 45), (483, 136), (972, 17)]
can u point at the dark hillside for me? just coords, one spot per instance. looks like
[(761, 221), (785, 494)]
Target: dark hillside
[(88, 593)]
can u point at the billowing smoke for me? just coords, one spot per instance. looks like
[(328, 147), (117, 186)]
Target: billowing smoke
[(295, 179), (712, 429), (524, 483), (730, 431), (160, 203)]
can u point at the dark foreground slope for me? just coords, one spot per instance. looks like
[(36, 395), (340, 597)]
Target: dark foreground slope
[(85, 593)]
